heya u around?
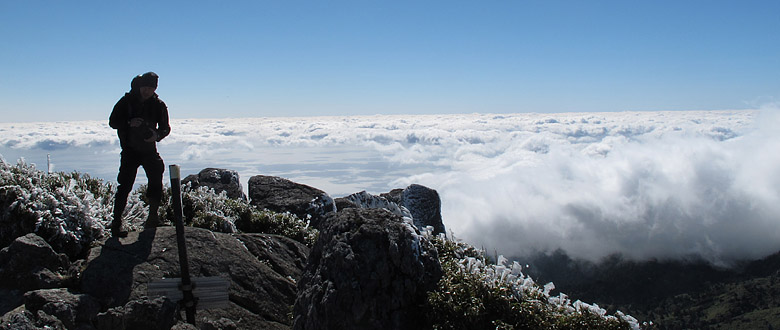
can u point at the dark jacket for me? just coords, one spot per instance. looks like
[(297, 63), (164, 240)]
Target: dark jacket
[(155, 118)]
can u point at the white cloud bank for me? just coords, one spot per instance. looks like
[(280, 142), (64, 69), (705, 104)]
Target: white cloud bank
[(644, 184)]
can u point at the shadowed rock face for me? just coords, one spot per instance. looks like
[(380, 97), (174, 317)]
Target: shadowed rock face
[(282, 195), (31, 263), (70, 308), (143, 313), (218, 179), (262, 270), (368, 270)]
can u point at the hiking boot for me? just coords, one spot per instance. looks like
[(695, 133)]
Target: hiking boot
[(116, 229), (150, 223), (116, 224), (153, 220)]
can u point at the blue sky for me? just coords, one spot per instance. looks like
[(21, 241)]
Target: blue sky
[(73, 60)]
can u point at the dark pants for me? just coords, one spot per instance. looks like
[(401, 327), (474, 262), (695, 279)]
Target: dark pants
[(128, 168)]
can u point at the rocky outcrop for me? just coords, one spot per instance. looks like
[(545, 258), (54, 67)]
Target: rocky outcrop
[(282, 195), (368, 270), (218, 179), (372, 268)]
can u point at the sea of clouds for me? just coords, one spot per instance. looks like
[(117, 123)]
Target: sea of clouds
[(665, 185)]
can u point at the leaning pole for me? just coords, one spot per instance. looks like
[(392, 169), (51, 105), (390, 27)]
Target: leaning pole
[(186, 283)]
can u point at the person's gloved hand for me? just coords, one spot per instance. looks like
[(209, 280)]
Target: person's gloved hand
[(135, 122), (151, 136)]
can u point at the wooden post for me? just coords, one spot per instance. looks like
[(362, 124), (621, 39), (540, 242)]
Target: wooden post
[(189, 301), (199, 292)]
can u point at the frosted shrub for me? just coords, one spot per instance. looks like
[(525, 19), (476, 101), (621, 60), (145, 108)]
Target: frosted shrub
[(285, 224), (206, 209), (473, 294), (68, 210), (72, 210)]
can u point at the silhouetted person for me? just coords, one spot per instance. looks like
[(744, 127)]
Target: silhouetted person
[(141, 120)]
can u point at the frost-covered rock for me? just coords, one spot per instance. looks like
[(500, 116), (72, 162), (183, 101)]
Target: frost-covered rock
[(368, 270), (282, 195), (416, 202), (394, 196), (425, 206), (365, 200), (218, 179)]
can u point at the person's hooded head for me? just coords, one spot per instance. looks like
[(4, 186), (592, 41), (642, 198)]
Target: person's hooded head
[(138, 83), (148, 79)]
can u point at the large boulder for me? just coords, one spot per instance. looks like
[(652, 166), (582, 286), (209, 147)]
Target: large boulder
[(218, 179), (262, 269), (282, 195), (369, 269), (425, 206), (70, 308), (31, 263)]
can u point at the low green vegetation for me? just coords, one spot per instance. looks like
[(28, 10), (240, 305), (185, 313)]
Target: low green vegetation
[(475, 294)]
